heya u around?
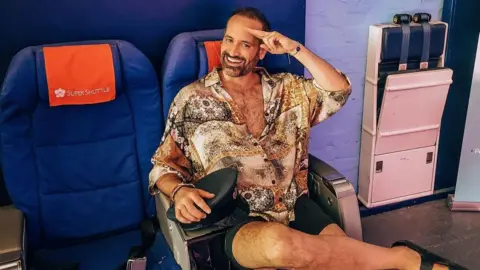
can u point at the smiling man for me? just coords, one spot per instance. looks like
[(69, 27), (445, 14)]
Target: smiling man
[(241, 116)]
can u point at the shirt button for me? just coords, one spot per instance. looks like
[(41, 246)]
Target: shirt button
[(280, 199), (266, 159), (255, 144), (273, 181), (267, 114)]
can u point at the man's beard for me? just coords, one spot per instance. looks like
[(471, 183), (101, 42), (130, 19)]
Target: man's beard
[(237, 71)]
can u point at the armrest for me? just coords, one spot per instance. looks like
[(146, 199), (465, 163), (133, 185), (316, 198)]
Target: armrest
[(12, 231), (177, 239), (336, 195)]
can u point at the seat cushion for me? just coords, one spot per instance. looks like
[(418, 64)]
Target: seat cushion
[(102, 254)]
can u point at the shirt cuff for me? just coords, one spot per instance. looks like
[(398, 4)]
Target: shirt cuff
[(157, 172)]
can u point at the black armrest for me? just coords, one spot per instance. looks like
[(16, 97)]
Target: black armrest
[(323, 169), (335, 195), (12, 230)]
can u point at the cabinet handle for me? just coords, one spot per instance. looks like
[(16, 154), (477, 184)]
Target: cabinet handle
[(429, 157), (379, 166)]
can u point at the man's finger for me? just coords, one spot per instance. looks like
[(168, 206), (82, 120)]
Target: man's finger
[(194, 211), (270, 41), (186, 213), (205, 194), (265, 47), (257, 33), (202, 204), (180, 217)]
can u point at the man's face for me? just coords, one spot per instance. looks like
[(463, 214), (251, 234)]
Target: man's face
[(240, 51)]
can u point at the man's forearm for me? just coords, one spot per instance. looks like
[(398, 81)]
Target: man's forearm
[(323, 73), (167, 183)]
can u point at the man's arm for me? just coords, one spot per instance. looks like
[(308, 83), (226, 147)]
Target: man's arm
[(165, 183), (172, 167), (327, 91), (324, 74)]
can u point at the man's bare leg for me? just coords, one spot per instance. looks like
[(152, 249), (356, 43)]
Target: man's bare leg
[(270, 244), (332, 230), (335, 230)]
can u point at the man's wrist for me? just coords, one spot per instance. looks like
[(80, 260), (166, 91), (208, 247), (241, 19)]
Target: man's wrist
[(167, 183), (178, 188), (296, 49)]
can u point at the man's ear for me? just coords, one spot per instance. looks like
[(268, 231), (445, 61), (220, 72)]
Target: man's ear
[(262, 52)]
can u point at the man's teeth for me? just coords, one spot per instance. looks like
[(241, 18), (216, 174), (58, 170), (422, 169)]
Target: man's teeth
[(233, 60)]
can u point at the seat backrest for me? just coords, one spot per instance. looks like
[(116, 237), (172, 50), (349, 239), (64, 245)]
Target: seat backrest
[(79, 124), (191, 55)]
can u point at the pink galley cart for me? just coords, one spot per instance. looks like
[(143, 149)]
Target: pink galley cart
[(406, 87)]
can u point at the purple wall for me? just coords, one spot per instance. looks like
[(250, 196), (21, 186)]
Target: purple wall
[(343, 43)]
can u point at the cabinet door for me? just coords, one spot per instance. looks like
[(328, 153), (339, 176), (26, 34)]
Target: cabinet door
[(403, 173)]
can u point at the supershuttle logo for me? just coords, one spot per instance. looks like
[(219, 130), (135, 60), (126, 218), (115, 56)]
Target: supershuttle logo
[(61, 93)]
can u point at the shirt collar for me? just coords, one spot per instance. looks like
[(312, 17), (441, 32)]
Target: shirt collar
[(213, 77)]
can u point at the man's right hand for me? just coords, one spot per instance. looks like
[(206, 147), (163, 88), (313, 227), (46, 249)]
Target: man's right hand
[(186, 202)]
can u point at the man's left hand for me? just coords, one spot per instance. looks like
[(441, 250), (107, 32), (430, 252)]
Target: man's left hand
[(274, 42)]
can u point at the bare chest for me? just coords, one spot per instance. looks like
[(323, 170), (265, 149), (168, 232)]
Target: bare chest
[(250, 105)]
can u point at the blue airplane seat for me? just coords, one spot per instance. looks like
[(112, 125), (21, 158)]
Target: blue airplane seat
[(190, 56), (186, 61), (79, 124)]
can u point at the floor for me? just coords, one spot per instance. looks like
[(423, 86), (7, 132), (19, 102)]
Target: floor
[(453, 235)]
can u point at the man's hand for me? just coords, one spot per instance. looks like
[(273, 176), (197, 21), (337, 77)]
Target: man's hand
[(323, 73), (186, 202), (274, 42)]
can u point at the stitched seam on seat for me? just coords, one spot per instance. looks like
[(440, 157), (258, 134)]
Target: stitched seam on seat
[(84, 142), (89, 190)]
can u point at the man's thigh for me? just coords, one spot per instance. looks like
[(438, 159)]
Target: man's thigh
[(309, 218)]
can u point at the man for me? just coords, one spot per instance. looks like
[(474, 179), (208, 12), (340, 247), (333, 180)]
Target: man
[(239, 115)]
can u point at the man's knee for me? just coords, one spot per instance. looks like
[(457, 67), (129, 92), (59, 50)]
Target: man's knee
[(281, 246), (333, 230)]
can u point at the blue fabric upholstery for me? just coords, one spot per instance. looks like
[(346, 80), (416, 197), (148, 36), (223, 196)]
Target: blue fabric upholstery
[(185, 61), (102, 254), (79, 172)]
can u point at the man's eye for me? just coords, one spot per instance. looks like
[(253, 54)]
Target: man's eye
[(246, 45)]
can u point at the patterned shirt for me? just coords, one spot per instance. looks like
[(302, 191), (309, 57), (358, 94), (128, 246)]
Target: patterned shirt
[(206, 132)]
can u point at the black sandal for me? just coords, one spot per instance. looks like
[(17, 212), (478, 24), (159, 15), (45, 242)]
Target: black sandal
[(429, 259)]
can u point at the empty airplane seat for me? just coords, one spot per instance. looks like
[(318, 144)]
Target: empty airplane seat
[(405, 92), (79, 124)]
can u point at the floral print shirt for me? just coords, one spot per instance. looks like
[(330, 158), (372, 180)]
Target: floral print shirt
[(205, 132)]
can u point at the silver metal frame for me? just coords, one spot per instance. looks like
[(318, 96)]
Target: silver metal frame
[(467, 190)]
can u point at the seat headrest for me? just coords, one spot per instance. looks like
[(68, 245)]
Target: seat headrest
[(77, 74), (191, 55)]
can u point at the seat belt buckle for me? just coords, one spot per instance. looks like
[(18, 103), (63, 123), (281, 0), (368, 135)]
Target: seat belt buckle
[(402, 67), (423, 65), (137, 264)]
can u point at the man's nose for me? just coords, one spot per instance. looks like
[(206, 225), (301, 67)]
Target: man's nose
[(235, 51)]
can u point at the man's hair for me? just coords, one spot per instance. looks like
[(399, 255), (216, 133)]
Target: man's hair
[(255, 14)]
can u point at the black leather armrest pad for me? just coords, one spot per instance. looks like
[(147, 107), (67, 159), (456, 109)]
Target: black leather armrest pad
[(321, 168), (11, 234)]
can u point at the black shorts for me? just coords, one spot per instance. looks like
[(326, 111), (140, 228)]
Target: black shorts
[(309, 218)]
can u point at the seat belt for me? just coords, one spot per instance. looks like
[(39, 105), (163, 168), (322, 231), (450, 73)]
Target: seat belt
[(138, 254), (404, 20), (424, 19)]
